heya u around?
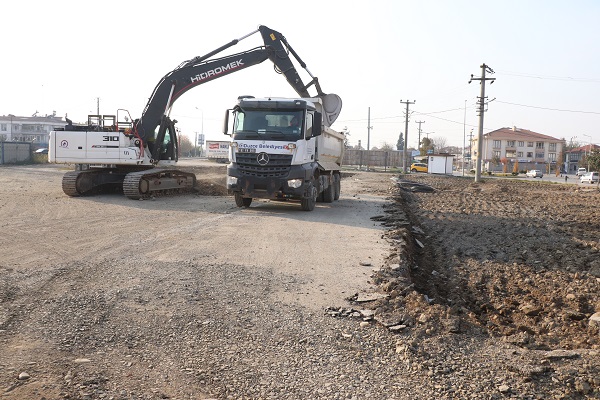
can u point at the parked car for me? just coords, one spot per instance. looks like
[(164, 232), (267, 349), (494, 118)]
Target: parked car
[(589, 177), (418, 167), (581, 172), (42, 151), (535, 173)]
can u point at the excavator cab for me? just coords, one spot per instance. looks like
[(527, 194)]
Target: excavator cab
[(164, 146)]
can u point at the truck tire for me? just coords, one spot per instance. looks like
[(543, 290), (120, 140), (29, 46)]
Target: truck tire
[(308, 204), (337, 186), (329, 193), (242, 201)]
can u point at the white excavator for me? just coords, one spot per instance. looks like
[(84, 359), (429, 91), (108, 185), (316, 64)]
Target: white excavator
[(137, 156)]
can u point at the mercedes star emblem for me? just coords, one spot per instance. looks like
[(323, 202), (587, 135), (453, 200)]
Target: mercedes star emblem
[(262, 158)]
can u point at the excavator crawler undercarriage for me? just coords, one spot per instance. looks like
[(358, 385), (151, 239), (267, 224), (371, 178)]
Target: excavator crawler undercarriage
[(135, 185)]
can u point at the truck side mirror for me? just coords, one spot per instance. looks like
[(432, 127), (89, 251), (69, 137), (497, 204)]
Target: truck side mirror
[(317, 128), (226, 122)]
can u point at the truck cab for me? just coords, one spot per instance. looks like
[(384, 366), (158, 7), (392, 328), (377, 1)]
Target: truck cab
[(278, 151)]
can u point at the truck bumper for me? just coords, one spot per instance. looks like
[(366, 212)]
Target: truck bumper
[(268, 187)]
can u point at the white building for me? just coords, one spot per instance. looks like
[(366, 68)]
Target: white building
[(440, 163), (508, 145), (34, 129)]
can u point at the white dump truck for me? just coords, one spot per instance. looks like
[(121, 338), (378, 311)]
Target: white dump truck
[(283, 149)]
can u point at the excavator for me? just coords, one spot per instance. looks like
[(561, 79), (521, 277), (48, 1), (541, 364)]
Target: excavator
[(136, 156)]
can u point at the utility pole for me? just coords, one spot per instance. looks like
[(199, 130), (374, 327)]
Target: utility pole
[(98, 106), (404, 168), (419, 143), (369, 127), (464, 138), (471, 146), (482, 103)]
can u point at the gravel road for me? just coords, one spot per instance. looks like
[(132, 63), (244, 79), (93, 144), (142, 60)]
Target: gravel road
[(190, 297)]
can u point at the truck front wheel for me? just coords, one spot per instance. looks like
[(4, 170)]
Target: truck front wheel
[(308, 204), (242, 201)]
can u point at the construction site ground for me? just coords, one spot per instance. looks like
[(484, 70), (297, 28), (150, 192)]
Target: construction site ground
[(409, 287)]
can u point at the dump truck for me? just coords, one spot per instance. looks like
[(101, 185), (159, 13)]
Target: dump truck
[(283, 149)]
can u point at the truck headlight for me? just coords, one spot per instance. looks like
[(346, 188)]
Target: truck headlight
[(295, 183), (232, 180)]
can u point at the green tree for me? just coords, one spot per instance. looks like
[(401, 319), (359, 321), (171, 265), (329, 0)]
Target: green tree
[(400, 142), (593, 160), (426, 144)]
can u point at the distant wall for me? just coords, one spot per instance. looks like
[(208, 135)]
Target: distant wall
[(15, 152), (374, 158)]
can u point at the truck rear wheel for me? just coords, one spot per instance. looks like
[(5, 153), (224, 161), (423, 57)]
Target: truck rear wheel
[(329, 193), (337, 186), (242, 201), (308, 204)]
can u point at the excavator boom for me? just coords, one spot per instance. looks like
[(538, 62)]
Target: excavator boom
[(203, 69)]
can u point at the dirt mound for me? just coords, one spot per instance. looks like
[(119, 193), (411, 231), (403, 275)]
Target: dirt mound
[(211, 186), (211, 179)]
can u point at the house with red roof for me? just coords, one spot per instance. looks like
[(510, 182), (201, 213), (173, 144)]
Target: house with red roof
[(530, 149), (574, 157)]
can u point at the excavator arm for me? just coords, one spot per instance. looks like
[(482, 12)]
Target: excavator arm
[(203, 69)]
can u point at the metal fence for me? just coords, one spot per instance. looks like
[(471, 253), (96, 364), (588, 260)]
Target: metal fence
[(374, 158), (15, 152)]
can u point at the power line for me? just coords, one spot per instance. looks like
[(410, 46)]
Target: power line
[(554, 78), (550, 109)]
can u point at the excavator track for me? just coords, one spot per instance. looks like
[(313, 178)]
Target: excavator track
[(143, 184), (86, 182)]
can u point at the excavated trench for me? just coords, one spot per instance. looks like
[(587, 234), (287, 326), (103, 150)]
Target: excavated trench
[(460, 265)]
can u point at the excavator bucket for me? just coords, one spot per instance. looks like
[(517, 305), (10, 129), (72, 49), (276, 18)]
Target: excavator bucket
[(332, 105)]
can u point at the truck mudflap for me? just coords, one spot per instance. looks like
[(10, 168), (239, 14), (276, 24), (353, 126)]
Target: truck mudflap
[(328, 166)]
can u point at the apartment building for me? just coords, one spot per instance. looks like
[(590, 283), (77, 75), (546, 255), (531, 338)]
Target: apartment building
[(35, 129), (531, 149)]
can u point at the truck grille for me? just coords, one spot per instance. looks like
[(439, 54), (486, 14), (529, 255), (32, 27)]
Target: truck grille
[(277, 167)]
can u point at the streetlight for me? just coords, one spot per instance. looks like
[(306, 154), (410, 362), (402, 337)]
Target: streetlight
[(11, 122), (201, 131), (589, 146), (464, 138)]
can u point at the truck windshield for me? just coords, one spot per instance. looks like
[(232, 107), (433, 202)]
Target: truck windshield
[(268, 124)]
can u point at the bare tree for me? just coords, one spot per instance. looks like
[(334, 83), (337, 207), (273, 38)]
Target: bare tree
[(387, 147), (439, 143), (185, 145), (346, 133)]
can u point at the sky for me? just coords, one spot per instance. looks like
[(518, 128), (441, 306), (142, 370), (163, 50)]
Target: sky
[(62, 56)]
